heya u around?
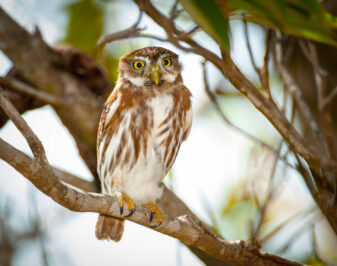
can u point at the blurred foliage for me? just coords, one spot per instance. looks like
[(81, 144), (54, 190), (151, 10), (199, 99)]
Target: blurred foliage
[(86, 25), (209, 17), (302, 18), (240, 213), (240, 209), (314, 261)]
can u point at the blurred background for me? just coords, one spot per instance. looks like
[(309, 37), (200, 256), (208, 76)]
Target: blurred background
[(227, 179)]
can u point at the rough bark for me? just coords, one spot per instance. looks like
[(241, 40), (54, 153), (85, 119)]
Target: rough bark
[(183, 227)]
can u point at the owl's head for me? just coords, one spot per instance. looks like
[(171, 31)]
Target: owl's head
[(150, 66)]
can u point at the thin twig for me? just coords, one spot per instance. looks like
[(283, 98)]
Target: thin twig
[(312, 57), (279, 227), (230, 94), (213, 99), (284, 100), (329, 98), (35, 220), (150, 36), (295, 91), (308, 179), (270, 194), (186, 34), (32, 140), (297, 235), (264, 71), (28, 90), (315, 248), (133, 31), (174, 10), (320, 76), (250, 50)]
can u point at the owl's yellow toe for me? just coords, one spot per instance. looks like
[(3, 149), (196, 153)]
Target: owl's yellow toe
[(156, 212), (124, 198)]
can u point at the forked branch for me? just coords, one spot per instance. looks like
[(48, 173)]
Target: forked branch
[(188, 230)]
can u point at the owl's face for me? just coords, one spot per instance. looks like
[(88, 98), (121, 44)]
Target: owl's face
[(150, 66)]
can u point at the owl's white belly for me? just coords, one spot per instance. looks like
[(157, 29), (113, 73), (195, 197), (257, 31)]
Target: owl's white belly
[(141, 180)]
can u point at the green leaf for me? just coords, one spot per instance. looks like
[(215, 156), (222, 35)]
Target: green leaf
[(314, 261), (208, 16), (85, 25), (303, 18)]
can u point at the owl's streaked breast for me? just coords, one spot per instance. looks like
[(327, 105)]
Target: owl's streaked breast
[(141, 139)]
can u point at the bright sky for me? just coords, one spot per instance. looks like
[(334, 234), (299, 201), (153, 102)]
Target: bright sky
[(71, 239)]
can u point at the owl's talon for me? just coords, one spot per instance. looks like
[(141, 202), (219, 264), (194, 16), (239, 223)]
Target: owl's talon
[(156, 212), (124, 198), (131, 212), (151, 216), (155, 225)]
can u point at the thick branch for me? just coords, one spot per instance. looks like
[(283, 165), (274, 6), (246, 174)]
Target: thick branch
[(186, 229), (317, 163), (44, 68), (32, 140), (28, 90), (240, 82)]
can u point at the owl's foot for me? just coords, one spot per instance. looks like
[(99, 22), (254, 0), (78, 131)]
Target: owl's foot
[(124, 198), (155, 211)]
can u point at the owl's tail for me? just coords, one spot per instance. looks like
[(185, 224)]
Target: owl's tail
[(109, 228)]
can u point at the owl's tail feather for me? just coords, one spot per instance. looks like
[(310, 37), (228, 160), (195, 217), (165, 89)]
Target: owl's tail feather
[(109, 228)]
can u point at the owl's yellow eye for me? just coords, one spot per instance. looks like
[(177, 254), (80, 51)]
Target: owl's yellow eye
[(138, 65), (166, 61)]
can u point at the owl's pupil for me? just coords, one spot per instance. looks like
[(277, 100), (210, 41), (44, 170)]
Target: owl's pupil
[(139, 65), (166, 62)]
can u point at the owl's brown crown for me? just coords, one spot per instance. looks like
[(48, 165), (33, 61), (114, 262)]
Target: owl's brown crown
[(151, 52)]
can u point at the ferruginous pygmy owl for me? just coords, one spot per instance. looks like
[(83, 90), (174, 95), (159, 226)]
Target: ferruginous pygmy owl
[(145, 119)]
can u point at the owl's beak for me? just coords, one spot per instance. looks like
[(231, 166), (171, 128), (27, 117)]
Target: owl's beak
[(155, 73)]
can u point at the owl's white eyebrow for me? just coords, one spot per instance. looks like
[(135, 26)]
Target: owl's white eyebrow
[(143, 59), (165, 55), (162, 57)]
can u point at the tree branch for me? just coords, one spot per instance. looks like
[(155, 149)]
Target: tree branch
[(246, 134), (317, 162), (46, 70), (325, 109), (186, 229), (240, 82), (133, 31), (32, 140), (42, 65), (22, 87)]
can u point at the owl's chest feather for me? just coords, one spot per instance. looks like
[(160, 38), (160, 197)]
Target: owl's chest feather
[(161, 107)]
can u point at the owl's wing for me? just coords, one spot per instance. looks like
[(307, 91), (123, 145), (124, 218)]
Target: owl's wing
[(105, 131), (188, 123), (188, 114), (109, 109)]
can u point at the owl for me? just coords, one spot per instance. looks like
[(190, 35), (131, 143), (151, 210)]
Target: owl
[(145, 119)]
